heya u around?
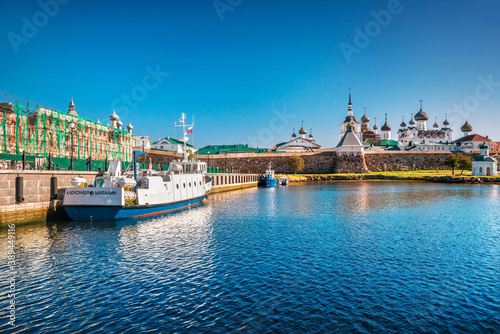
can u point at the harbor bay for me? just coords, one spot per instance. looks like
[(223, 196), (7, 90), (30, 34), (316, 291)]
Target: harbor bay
[(361, 257)]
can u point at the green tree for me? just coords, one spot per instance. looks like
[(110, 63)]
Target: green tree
[(464, 162), (296, 163), (191, 155), (452, 162)]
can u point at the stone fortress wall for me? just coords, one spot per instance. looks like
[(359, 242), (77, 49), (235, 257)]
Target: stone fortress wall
[(320, 162)]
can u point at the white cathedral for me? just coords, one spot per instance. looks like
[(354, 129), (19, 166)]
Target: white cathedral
[(415, 136), (417, 133)]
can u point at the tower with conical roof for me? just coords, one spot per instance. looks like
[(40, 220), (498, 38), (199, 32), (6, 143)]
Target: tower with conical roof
[(466, 129), (365, 123), (386, 130), (446, 123), (71, 110), (350, 120), (436, 125), (311, 137), (421, 117), (302, 131), (114, 119)]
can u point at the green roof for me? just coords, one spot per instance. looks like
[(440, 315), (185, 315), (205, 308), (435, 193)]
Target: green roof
[(218, 149), (389, 142), (173, 141), (484, 158)]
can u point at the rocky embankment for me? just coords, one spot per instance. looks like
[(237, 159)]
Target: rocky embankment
[(361, 177)]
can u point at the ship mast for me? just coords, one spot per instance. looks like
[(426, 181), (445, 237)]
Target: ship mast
[(183, 124)]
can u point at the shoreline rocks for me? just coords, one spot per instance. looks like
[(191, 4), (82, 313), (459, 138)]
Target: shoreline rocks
[(368, 177)]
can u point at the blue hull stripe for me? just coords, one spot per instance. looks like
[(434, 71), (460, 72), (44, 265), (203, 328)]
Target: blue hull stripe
[(126, 212)]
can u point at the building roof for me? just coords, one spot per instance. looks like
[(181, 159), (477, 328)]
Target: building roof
[(218, 149), (173, 141), (389, 142), (472, 138), (386, 127), (296, 142), (466, 127), (484, 158), (421, 115), (349, 139)]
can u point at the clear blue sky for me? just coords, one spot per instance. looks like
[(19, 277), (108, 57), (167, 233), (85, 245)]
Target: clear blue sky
[(238, 68)]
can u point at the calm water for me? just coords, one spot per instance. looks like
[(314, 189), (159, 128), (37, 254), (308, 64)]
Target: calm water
[(319, 258)]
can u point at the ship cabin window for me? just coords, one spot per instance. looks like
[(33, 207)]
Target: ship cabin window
[(190, 184), (184, 185), (200, 183), (166, 178), (177, 186)]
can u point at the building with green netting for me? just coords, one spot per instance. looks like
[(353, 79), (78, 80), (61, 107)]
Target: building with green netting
[(40, 133)]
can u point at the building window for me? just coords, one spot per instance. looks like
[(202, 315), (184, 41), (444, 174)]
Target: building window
[(480, 169)]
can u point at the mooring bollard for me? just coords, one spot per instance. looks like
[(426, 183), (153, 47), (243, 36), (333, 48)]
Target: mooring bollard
[(19, 189)]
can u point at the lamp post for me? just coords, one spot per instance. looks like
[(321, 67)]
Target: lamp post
[(225, 161), (71, 125), (208, 154), (143, 140)]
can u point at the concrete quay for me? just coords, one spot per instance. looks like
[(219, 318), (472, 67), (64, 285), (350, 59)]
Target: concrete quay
[(43, 192)]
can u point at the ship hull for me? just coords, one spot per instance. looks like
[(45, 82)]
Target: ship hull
[(268, 182), (117, 212)]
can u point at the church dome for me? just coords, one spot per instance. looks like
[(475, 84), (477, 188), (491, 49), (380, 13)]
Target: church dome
[(302, 131), (114, 116), (375, 127), (436, 125), (386, 127), (446, 122), (421, 116), (483, 146), (466, 127), (403, 124), (365, 119), (412, 122), (310, 135)]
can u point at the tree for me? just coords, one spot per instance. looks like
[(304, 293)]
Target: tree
[(296, 163), (452, 162), (191, 155), (464, 162)]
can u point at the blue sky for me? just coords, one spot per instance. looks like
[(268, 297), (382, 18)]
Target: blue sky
[(250, 71)]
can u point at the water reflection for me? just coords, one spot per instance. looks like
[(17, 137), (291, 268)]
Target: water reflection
[(347, 257)]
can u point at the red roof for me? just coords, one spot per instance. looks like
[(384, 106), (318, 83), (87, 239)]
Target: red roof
[(472, 138)]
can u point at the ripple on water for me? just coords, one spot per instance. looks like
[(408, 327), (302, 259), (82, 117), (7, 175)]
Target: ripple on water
[(320, 258)]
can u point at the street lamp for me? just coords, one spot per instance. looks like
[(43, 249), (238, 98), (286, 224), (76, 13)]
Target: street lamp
[(208, 154), (71, 125), (143, 140)]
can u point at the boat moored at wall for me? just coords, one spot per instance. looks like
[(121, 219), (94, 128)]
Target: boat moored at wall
[(134, 194)]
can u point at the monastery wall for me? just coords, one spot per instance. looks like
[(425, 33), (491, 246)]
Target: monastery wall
[(398, 161), (323, 162)]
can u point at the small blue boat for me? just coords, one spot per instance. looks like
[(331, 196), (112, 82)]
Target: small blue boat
[(268, 179)]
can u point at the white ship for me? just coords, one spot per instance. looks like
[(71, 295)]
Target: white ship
[(134, 194)]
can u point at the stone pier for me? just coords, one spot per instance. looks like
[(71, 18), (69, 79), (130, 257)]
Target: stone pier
[(37, 204)]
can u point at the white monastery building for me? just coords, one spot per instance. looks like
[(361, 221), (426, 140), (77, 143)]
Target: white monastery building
[(298, 144)]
